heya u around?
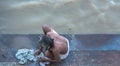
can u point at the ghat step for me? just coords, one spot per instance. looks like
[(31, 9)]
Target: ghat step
[(85, 50), (77, 41), (76, 58)]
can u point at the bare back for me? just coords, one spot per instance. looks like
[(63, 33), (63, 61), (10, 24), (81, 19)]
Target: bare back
[(60, 42), (60, 47)]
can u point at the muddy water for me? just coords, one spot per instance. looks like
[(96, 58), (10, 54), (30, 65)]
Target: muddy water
[(65, 16)]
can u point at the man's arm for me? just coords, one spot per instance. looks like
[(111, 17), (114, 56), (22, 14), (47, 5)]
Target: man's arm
[(38, 51), (56, 57)]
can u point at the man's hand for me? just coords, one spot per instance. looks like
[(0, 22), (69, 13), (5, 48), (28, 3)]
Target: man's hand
[(43, 59), (37, 52)]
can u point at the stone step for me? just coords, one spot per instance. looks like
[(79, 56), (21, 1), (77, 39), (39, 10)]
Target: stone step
[(91, 58), (96, 42), (77, 42), (85, 50), (76, 58)]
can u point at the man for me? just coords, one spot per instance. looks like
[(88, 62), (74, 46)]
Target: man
[(54, 46)]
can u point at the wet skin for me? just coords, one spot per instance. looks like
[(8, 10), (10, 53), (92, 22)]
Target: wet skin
[(59, 46)]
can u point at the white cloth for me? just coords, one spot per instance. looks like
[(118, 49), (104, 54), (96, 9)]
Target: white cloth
[(63, 56), (28, 54)]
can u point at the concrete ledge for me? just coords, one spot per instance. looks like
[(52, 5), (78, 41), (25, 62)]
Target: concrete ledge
[(8, 64), (85, 50), (91, 58), (80, 58), (77, 42)]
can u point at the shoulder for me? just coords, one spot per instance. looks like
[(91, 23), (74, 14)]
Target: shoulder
[(52, 34), (55, 48)]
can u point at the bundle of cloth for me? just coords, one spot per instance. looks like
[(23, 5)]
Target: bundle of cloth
[(28, 54)]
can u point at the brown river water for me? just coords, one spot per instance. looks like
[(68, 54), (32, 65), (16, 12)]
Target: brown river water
[(65, 16)]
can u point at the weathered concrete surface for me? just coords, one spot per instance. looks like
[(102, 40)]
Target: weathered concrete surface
[(91, 58), (78, 58), (97, 42), (85, 50)]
